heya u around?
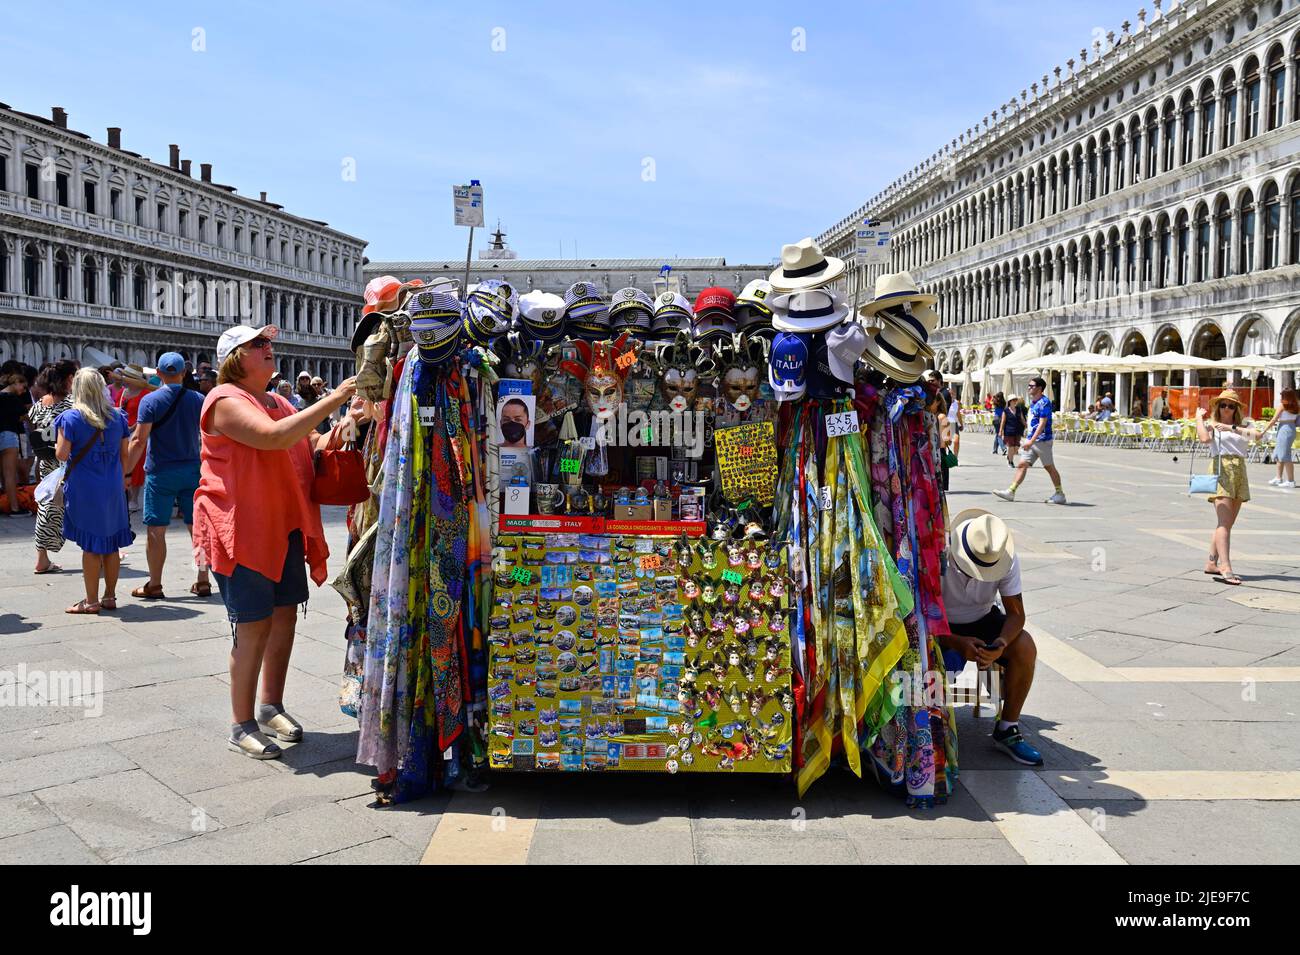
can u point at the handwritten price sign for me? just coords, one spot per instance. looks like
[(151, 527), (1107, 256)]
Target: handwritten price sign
[(733, 577), (626, 359), (838, 425), (521, 575), (570, 465), (651, 562)]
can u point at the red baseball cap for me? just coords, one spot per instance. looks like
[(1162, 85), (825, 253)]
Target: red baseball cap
[(715, 299)]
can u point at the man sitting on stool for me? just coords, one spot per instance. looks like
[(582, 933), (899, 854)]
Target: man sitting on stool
[(982, 564)]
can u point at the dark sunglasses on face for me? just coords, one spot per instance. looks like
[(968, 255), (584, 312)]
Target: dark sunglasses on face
[(259, 342)]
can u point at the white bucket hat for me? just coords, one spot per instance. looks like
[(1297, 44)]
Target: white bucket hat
[(804, 266), (893, 288), (814, 310), (980, 544), (844, 346)]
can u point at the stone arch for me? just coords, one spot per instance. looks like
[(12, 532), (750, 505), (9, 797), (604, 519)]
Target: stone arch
[(1133, 343), (1240, 338)]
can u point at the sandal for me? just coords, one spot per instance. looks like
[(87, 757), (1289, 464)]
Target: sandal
[(1231, 579), (82, 606), (51, 569), (146, 592), (201, 589), (108, 603), (255, 746), (285, 727)]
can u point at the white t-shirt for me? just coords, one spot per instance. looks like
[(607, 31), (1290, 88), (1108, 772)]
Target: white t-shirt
[(1227, 443), (967, 599)]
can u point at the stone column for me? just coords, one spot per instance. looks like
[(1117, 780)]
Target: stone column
[(1284, 230), (1090, 389), (1234, 251), (47, 281), (1258, 238), (1123, 385)]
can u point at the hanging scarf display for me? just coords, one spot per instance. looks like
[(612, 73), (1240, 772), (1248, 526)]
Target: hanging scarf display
[(637, 610)]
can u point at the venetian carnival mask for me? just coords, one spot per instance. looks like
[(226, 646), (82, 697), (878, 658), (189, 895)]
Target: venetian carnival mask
[(740, 387), (679, 387), (602, 368)]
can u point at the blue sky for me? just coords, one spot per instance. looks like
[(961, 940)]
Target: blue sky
[(753, 144)]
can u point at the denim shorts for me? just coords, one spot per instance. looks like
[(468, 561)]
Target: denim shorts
[(8, 439), (164, 489), (250, 597)]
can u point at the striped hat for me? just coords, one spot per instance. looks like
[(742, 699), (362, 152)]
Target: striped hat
[(672, 313), (490, 310), (631, 310), (436, 324), (586, 311), (542, 314)]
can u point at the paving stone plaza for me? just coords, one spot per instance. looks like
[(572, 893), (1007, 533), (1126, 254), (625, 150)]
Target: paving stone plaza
[(1165, 705)]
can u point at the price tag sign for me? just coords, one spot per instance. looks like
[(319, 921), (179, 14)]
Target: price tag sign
[(651, 562), (588, 442), (428, 415), (747, 451), (521, 575), (733, 576), (826, 497), (516, 499), (570, 465), (625, 359), (838, 425)]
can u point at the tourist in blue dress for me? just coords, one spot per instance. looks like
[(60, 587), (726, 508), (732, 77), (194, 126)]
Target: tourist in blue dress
[(92, 439)]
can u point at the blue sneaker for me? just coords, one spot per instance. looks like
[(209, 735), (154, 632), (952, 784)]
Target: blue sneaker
[(1016, 747)]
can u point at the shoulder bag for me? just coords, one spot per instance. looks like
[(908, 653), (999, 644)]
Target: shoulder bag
[(1205, 483), (51, 486), (340, 477)]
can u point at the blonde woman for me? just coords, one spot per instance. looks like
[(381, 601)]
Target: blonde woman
[(92, 438), (1230, 438)]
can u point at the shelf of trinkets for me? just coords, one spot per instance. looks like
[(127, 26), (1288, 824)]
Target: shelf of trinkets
[(659, 654)]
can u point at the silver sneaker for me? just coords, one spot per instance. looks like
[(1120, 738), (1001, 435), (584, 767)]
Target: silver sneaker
[(1005, 495), (1057, 498)]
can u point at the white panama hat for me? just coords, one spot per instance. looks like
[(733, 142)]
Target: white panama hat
[(805, 266), (981, 545)]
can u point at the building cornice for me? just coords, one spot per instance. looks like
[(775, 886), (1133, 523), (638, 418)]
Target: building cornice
[(129, 162)]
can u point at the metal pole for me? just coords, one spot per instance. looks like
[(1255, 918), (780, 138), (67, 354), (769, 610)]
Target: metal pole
[(469, 249)]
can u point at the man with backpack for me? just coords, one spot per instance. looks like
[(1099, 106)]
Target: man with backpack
[(168, 426)]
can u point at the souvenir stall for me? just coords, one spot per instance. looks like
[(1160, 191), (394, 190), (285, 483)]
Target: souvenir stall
[(616, 533)]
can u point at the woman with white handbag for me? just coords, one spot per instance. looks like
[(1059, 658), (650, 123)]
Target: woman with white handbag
[(1232, 489), (53, 383)]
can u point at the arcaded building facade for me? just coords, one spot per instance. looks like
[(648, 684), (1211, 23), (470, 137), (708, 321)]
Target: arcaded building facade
[(102, 247), (1143, 198)]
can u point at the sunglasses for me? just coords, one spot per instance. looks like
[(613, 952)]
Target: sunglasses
[(260, 341)]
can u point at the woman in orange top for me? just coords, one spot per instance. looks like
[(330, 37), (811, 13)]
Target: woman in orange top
[(134, 387), (255, 524)]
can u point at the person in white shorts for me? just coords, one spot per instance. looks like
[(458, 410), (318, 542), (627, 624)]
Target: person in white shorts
[(1039, 445)]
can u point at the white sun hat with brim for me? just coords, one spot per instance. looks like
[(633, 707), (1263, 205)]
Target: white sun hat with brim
[(917, 320), (981, 545), (894, 353), (892, 289), (813, 310), (238, 335), (805, 266)]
